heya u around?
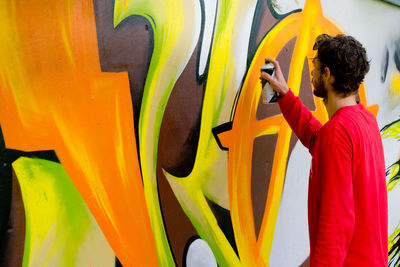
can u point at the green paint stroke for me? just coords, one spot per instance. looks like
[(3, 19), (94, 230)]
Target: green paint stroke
[(60, 230), (176, 28), (392, 130), (394, 247)]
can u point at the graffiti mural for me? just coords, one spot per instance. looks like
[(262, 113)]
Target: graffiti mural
[(390, 77), (135, 129), (393, 172)]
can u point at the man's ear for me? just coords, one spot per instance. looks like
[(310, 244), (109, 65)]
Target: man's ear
[(328, 75)]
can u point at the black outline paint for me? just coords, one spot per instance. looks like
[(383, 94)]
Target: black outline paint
[(220, 129)]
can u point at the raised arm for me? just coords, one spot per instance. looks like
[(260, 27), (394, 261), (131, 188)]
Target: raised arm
[(300, 119)]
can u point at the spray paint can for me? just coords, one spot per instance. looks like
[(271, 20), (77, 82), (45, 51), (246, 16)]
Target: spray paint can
[(269, 96)]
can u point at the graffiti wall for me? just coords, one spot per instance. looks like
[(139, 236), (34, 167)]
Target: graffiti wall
[(133, 134)]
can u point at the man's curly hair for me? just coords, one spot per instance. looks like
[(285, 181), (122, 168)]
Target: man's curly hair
[(346, 59)]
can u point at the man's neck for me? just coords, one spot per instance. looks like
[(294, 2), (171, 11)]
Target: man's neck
[(335, 102)]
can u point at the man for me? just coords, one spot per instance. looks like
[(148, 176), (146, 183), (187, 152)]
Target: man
[(347, 197)]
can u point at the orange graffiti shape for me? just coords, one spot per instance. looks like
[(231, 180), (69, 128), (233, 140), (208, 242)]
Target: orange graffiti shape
[(53, 96)]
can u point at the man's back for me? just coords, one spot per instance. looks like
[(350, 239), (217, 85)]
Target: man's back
[(347, 197), (355, 192)]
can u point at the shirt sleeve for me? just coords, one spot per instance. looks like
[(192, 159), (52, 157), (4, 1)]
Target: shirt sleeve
[(336, 212), (300, 119)]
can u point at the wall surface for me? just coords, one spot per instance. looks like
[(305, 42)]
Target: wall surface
[(133, 131)]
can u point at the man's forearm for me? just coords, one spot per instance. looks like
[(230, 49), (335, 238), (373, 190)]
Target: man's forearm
[(300, 119)]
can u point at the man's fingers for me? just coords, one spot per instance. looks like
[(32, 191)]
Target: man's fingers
[(266, 76), (274, 62)]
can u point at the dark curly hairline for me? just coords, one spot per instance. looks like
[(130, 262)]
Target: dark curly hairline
[(346, 59)]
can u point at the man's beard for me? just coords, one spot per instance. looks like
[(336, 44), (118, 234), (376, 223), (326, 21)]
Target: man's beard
[(320, 89)]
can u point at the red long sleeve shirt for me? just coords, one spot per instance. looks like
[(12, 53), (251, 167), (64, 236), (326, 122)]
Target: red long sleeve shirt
[(347, 195)]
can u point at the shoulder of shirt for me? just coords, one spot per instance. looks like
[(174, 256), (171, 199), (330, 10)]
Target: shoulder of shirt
[(335, 123), (335, 131)]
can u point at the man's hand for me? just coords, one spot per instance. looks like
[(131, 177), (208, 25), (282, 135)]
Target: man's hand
[(278, 82)]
